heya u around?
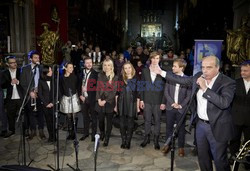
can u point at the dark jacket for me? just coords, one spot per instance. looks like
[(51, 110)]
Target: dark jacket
[(6, 83), (219, 100), (45, 93), (25, 77), (151, 93), (106, 91), (91, 85), (241, 104), (127, 90), (183, 96)]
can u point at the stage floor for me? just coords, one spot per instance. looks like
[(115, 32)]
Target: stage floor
[(109, 158)]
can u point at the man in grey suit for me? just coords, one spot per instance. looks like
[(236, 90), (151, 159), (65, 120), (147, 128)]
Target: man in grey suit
[(211, 111), (177, 97)]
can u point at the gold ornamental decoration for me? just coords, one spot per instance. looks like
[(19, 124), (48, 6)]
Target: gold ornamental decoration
[(238, 43)]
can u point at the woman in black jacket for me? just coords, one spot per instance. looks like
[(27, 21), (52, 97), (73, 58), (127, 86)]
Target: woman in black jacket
[(127, 104), (45, 93), (70, 102), (105, 96)]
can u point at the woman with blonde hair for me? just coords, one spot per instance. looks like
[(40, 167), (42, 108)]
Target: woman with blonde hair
[(127, 103), (105, 96)]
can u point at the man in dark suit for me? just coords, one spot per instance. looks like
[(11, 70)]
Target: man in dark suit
[(241, 108), (152, 100), (177, 97), (211, 112), (11, 77), (26, 75), (88, 97)]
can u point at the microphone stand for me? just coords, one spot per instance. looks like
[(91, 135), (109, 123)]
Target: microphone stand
[(171, 139), (21, 115), (56, 118), (76, 142), (95, 158)]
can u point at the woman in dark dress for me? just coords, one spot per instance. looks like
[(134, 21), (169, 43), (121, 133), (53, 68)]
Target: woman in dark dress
[(127, 104), (70, 103), (105, 96), (45, 93)]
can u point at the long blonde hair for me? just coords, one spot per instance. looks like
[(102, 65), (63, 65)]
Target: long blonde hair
[(109, 61), (124, 76)]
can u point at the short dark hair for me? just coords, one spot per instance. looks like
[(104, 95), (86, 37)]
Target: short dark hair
[(45, 71), (87, 57), (32, 53), (9, 57), (245, 63)]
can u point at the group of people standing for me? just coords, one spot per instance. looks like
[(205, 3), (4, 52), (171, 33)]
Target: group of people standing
[(209, 94)]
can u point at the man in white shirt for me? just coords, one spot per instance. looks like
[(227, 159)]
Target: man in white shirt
[(14, 92), (241, 108), (152, 100), (211, 112), (88, 98), (177, 98)]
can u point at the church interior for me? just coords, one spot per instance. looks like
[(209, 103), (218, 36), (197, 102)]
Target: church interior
[(69, 30)]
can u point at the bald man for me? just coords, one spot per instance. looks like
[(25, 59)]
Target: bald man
[(211, 112)]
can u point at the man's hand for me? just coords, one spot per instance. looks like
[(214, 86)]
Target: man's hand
[(162, 106), (84, 89), (202, 83), (101, 102), (82, 98), (156, 69), (33, 95), (50, 105), (14, 81), (142, 105), (115, 109)]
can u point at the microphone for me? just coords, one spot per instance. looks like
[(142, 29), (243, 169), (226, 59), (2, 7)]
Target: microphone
[(36, 65), (97, 137)]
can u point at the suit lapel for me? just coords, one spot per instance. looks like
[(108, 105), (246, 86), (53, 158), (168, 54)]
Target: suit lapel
[(217, 83)]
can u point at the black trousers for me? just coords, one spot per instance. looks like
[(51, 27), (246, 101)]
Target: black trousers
[(109, 117), (89, 113), (48, 113), (12, 107), (34, 118), (235, 143)]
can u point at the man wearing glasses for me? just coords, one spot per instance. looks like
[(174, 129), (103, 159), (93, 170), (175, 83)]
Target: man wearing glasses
[(13, 98)]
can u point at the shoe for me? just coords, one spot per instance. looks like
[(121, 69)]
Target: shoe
[(102, 136), (84, 137), (123, 145), (145, 141), (3, 133), (165, 149), (194, 151), (9, 134), (32, 134), (92, 138), (156, 143), (129, 138), (41, 134), (106, 141), (26, 133), (181, 152)]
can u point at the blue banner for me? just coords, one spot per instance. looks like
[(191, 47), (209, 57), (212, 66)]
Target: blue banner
[(205, 48)]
